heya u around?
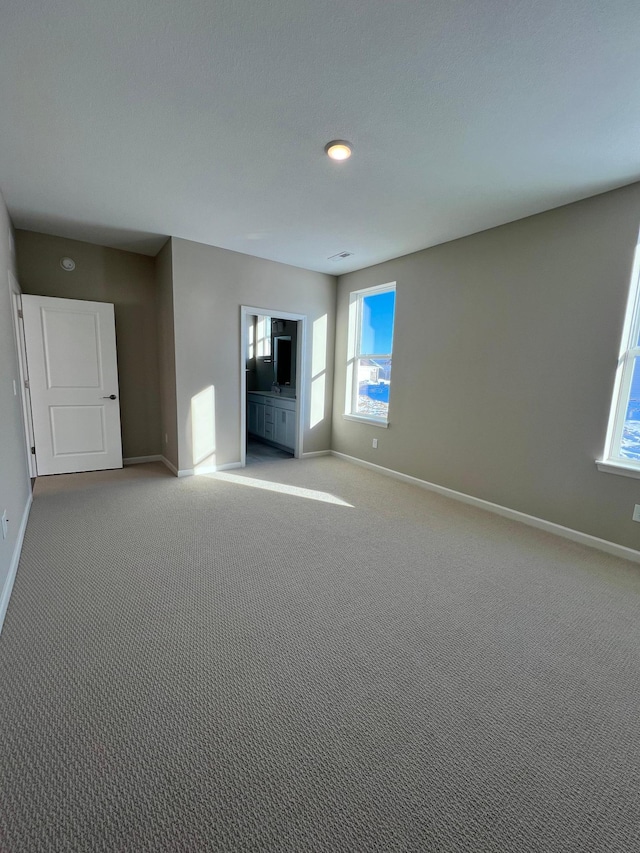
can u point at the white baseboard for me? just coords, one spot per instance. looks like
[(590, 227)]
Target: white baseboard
[(139, 460), (228, 466), (514, 514), (208, 469), (15, 559), (170, 465), (315, 453)]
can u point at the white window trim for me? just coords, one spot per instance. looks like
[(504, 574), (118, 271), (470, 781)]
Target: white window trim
[(353, 354), (366, 419), (616, 468), (612, 462)]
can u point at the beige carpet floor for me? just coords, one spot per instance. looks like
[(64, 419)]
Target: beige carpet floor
[(306, 656)]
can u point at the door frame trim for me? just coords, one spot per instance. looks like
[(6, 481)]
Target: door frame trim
[(23, 371), (301, 350)]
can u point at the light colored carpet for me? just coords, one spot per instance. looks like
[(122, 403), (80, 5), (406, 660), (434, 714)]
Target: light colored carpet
[(307, 656)]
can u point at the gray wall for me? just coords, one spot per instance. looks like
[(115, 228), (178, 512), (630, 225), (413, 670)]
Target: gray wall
[(128, 280), (14, 478), (209, 286), (506, 345), (167, 355)]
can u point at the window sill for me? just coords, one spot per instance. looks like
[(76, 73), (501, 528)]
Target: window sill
[(370, 421), (610, 467)]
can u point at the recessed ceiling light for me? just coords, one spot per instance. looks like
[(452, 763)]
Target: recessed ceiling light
[(338, 149)]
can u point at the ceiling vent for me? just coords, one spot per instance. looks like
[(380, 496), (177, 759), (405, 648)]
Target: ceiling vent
[(340, 256)]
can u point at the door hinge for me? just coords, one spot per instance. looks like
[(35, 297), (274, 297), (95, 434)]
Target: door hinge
[(26, 383), (33, 450), (20, 314)]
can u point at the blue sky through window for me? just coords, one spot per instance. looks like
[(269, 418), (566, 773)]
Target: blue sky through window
[(635, 384), (377, 323), (630, 443)]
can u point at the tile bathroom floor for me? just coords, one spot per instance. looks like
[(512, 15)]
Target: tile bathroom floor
[(257, 452)]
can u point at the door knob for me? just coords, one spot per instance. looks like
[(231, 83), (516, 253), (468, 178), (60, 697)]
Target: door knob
[(110, 397)]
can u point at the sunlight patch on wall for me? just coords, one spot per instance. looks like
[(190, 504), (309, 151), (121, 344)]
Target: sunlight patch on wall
[(283, 488), (317, 400), (319, 346), (203, 429), (318, 371)]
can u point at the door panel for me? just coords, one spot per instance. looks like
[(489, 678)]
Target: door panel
[(281, 427), (77, 366), (252, 415), (77, 429), (71, 354), (290, 436)]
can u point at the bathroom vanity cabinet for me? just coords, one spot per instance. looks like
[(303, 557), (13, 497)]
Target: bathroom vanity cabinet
[(272, 418)]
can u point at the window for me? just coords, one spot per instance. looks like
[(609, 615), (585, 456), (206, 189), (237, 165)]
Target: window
[(622, 449), (263, 337), (370, 344)]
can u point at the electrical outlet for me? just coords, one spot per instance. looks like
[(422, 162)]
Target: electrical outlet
[(5, 522), (374, 443), (636, 513)]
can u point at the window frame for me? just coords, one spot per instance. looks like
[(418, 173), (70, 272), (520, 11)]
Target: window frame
[(263, 343), (354, 353), (612, 460)]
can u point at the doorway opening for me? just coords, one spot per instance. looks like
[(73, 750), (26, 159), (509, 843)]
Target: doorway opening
[(272, 386)]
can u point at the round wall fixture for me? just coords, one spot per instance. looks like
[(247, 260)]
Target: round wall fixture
[(67, 264), (338, 149)]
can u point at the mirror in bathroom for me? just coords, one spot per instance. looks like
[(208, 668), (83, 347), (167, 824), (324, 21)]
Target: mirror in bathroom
[(282, 359)]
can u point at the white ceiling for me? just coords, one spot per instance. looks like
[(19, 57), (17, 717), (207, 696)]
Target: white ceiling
[(123, 121)]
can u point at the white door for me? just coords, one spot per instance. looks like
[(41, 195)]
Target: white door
[(73, 378)]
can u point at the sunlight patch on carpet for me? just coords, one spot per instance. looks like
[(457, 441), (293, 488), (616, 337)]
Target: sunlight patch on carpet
[(283, 488)]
